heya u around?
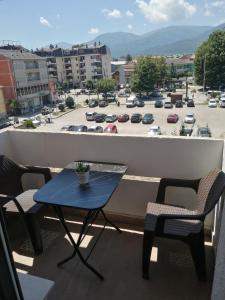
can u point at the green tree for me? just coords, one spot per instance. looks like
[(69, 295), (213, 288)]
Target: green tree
[(69, 102), (14, 106), (210, 56), (105, 86), (128, 58), (150, 72), (90, 85)]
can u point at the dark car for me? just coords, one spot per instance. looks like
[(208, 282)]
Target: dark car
[(158, 103), (93, 103), (95, 129), (179, 104), (136, 118), (186, 131), (140, 103), (123, 118), (46, 110), (190, 103), (103, 103), (99, 118), (204, 132), (79, 128), (147, 119)]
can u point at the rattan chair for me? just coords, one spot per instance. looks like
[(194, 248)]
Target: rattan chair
[(180, 223), (14, 200)]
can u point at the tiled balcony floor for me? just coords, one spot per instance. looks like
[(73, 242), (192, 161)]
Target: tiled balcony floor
[(118, 258)]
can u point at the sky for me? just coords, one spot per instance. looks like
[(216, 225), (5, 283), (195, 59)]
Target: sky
[(38, 23)]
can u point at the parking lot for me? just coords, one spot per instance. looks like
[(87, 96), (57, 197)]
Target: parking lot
[(213, 117)]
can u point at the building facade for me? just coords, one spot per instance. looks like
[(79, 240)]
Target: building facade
[(24, 77), (183, 64), (77, 66)]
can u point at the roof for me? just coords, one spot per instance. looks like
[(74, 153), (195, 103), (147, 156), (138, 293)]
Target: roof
[(179, 61), (19, 54)]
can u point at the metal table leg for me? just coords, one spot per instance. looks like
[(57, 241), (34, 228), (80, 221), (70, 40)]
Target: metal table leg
[(59, 213), (110, 222)]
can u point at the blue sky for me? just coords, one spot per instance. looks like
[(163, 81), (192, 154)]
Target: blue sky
[(38, 23)]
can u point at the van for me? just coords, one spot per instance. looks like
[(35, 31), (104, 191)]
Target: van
[(131, 101)]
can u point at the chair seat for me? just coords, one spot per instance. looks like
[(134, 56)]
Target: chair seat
[(26, 201), (172, 226)]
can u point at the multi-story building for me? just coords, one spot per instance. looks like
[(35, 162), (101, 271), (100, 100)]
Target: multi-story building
[(24, 78), (183, 64), (77, 66)]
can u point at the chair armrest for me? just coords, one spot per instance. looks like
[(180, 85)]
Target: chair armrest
[(4, 199), (163, 218), (40, 170), (165, 182)]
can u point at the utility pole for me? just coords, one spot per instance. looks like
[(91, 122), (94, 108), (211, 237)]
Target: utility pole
[(204, 68)]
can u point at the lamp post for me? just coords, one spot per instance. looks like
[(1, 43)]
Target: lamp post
[(204, 69)]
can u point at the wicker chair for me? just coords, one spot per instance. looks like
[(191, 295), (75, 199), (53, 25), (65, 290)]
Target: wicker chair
[(14, 200), (180, 223)]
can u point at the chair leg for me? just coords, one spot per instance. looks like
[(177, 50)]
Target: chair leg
[(33, 227), (196, 243), (146, 252)]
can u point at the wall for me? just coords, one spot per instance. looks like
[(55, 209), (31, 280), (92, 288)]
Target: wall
[(148, 157)]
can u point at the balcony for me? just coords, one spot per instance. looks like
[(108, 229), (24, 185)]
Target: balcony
[(118, 257)]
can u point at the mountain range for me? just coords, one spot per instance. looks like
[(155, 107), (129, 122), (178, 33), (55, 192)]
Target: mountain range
[(164, 41)]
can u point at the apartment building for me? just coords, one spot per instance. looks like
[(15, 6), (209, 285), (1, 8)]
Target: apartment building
[(77, 66), (183, 64), (24, 77)]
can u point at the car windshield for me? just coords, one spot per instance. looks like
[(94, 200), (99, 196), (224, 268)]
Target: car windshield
[(204, 130)]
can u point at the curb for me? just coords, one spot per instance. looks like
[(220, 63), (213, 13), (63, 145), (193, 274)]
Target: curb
[(65, 113)]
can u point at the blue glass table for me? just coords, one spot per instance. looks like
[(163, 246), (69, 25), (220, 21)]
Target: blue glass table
[(64, 190)]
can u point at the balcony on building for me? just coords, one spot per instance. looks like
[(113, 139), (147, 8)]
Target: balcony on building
[(118, 256)]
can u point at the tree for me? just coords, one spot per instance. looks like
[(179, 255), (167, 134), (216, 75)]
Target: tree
[(210, 59), (150, 72), (90, 85), (105, 86), (14, 106), (128, 58), (69, 102)]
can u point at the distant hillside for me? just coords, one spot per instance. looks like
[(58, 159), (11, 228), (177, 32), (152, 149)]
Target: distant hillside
[(168, 40)]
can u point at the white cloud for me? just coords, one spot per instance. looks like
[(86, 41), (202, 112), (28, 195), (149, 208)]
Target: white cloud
[(115, 13), (130, 26), (129, 13), (93, 30), (45, 22), (218, 3), (166, 10)]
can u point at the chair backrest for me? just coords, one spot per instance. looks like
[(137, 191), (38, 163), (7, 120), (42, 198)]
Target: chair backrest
[(209, 191), (10, 177)]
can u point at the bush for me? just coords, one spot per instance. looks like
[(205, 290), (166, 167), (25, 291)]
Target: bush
[(61, 107), (28, 124), (70, 102)]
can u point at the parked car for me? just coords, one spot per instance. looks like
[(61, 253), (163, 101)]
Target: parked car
[(136, 118), (140, 103), (178, 104), (190, 103), (36, 121), (90, 116), (79, 128), (147, 119), (96, 129), (46, 110), (158, 104), (110, 118), (168, 104), (121, 94), (172, 118), (131, 101), (154, 130), (189, 118), (212, 103), (93, 103), (222, 102), (204, 132), (99, 118), (66, 127), (111, 128), (123, 118), (186, 131), (102, 103)]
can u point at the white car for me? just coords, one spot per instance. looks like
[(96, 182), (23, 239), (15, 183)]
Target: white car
[(190, 118), (222, 102), (154, 130), (212, 103)]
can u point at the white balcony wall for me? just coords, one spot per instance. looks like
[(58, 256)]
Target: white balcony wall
[(148, 157)]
